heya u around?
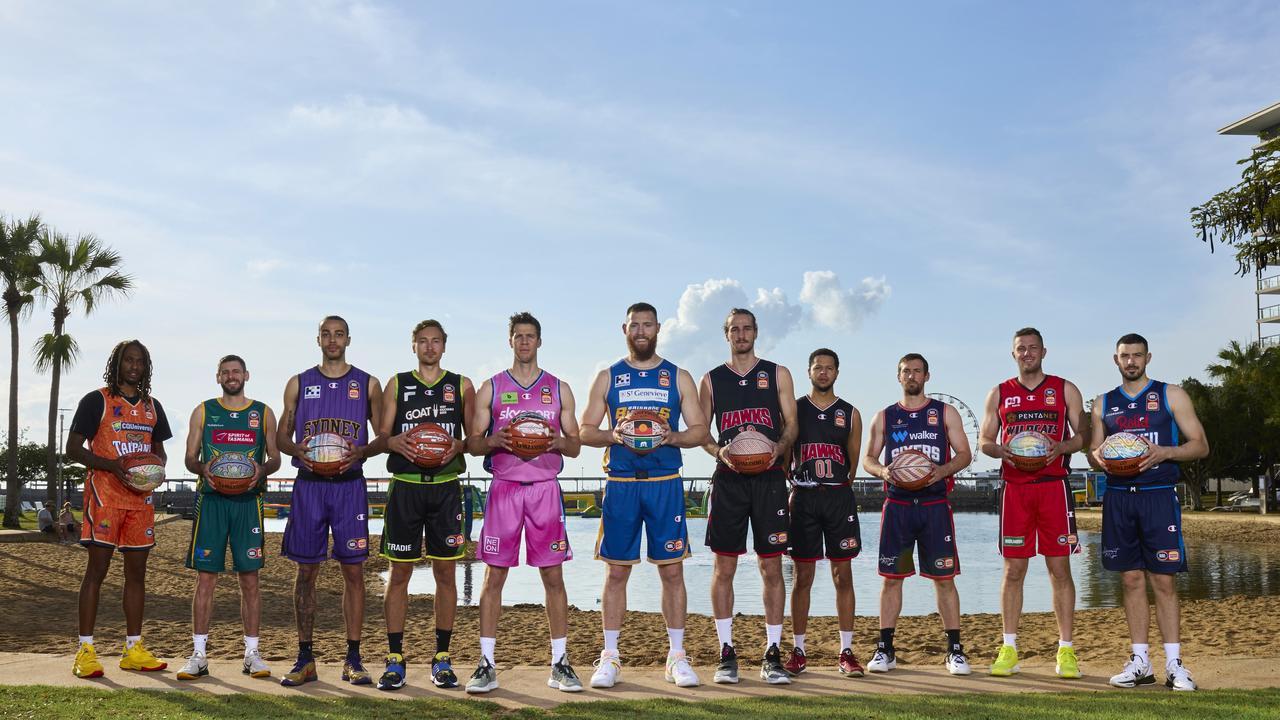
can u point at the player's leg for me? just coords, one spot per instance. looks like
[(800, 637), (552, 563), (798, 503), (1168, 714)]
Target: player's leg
[(663, 506), (896, 563), (86, 663), (728, 516), (251, 618), (940, 562), (306, 543), (1017, 544), (245, 536), (1058, 541), (444, 547), (618, 545), (500, 551), (769, 523), (804, 535), (201, 613), (1165, 555), (842, 537), (347, 508), (136, 656), (547, 548), (402, 533), (206, 554), (1122, 553)]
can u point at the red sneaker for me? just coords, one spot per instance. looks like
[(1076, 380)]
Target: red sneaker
[(796, 662), (849, 665)]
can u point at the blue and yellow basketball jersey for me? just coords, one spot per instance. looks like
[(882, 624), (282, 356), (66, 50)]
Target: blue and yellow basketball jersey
[(1147, 415), (654, 389)]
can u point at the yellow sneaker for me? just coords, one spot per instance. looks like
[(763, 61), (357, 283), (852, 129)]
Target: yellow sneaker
[(140, 658), (1006, 662), (87, 665), (1068, 667)]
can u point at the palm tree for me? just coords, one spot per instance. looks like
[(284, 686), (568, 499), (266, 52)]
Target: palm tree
[(1239, 362), (74, 275), (18, 271)]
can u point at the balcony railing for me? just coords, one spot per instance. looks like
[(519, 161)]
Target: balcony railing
[(1270, 284), (1269, 341), (1269, 314)]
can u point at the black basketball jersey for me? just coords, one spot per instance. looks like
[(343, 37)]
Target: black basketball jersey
[(746, 402), (417, 402), (822, 447)]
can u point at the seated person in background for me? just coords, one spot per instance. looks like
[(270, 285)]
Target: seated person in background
[(66, 522), (44, 520)]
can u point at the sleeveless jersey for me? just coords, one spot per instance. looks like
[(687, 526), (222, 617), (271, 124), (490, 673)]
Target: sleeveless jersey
[(510, 398), (746, 402), (125, 428), (1146, 414), (653, 389), (1042, 409), (417, 402), (233, 430), (822, 447), (923, 429), (334, 405)]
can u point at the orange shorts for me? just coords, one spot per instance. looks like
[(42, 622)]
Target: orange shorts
[(124, 529)]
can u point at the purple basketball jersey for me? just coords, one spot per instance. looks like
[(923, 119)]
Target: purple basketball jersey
[(332, 405)]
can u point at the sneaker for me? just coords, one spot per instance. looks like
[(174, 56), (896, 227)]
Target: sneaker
[(771, 669), (197, 666), (1006, 663), (1067, 666), (254, 666), (1136, 672), (442, 674), (727, 670), (849, 665), (393, 677), (563, 677), (883, 661), (87, 665), (608, 668), (304, 671), (353, 671), (680, 672), (958, 663), (484, 679), (796, 662), (1179, 678), (139, 658)]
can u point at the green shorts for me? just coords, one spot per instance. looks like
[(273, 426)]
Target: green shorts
[(221, 519)]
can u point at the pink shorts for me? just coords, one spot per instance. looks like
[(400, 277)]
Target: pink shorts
[(537, 510)]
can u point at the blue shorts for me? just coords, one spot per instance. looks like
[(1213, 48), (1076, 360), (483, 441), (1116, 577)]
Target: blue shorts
[(319, 506), (927, 525), (1142, 530), (659, 505)]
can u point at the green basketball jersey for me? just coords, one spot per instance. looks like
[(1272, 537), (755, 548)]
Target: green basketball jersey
[(234, 430)]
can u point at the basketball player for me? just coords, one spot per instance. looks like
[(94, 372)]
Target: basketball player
[(748, 393), (643, 489), (918, 518), (332, 397), (1037, 510), (114, 421), (231, 423), (524, 498), (1141, 516), (422, 499), (823, 509)]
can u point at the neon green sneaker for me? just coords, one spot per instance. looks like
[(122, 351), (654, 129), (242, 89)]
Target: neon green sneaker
[(1068, 667), (1006, 662)]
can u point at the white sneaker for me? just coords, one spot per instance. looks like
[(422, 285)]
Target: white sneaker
[(882, 662), (680, 672), (958, 663), (608, 668), (1136, 672), (197, 666), (254, 666), (1179, 677)]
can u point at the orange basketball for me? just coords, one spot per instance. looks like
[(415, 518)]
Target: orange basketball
[(327, 452), (642, 430), (750, 452), (232, 473), (429, 443), (911, 470), (531, 435)]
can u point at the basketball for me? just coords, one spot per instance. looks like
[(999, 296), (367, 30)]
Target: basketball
[(144, 472), (232, 473), (430, 443), (1122, 453), (327, 452), (642, 430), (750, 452), (1030, 451), (531, 435), (911, 470)]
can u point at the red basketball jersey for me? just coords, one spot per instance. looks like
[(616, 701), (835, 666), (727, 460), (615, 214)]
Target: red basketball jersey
[(1042, 409)]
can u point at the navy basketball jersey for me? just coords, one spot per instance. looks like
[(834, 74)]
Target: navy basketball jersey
[(822, 445), (746, 402), (1146, 414), (923, 429), (654, 389)]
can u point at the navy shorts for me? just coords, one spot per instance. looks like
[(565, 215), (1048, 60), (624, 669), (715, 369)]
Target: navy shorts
[(927, 525), (321, 506), (1142, 530)]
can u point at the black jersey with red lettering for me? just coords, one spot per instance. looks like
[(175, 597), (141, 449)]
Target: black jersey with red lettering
[(822, 447), (1042, 409), (746, 402), (924, 429)]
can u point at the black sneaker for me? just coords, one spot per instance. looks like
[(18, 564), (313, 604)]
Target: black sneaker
[(727, 670), (771, 668)]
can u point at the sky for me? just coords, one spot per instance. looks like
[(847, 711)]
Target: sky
[(873, 178)]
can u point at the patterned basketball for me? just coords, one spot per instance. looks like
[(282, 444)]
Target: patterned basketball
[(144, 472), (429, 443), (531, 435), (750, 452), (327, 453), (232, 473), (911, 470), (1122, 453), (1030, 451), (642, 430)]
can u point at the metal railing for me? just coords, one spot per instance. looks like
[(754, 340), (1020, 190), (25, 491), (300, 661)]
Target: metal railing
[(1268, 314), (1271, 283)]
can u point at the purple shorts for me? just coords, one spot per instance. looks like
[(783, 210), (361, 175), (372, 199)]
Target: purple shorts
[(537, 509), (319, 506)]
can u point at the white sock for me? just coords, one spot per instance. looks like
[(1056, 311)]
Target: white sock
[(1141, 650), (486, 648), (1011, 639), (200, 642), (724, 631), (1172, 651), (773, 635), (250, 644), (611, 639), (557, 649), (1064, 643), (799, 641), (131, 640), (676, 639), (86, 639), (846, 640)]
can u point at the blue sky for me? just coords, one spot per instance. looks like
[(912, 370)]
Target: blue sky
[(879, 180)]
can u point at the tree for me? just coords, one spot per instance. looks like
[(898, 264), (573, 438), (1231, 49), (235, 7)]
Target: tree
[(30, 458), (1241, 415), (18, 272), (74, 275), (1247, 216)]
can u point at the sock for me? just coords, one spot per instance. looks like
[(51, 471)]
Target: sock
[(1142, 650), (724, 631), (886, 640), (1064, 643), (86, 639), (131, 640), (304, 649), (1172, 651), (1011, 639), (442, 640), (557, 649), (353, 648), (611, 639), (395, 642), (486, 648), (676, 639), (773, 635), (250, 643), (799, 641), (200, 642), (846, 640), (953, 640)]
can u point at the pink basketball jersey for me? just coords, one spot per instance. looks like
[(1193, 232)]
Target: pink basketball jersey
[(510, 398)]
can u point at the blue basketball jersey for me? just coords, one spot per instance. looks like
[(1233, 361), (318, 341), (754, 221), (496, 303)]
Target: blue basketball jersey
[(1146, 414), (654, 389), (923, 429)]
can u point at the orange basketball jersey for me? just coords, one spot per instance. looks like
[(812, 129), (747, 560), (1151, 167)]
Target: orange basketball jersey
[(124, 428)]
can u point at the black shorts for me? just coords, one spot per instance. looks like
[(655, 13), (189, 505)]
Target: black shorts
[(415, 509), (737, 499), (826, 514)]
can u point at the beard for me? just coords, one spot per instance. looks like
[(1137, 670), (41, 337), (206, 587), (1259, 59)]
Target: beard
[(823, 388), (643, 354), (913, 389), (232, 389), (1134, 374)]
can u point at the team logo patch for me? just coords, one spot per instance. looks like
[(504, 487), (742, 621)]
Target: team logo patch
[(560, 546), (449, 395), (762, 380), (254, 553), (778, 538), (492, 544), (509, 398), (1153, 401), (848, 543), (1169, 555), (357, 543), (1062, 539), (932, 417), (453, 540), (353, 390), (945, 563), (311, 392), (674, 545), (255, 419), (664, 378), (1013, 541), (1050, 397), (1110, 553), (546, 395), (840, 419), (105, 525), (1073, 540), (150, 532), (622, 380), (204, 552)]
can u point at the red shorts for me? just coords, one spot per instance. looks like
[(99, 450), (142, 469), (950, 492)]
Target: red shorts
[(1038, 516), (120, 528)]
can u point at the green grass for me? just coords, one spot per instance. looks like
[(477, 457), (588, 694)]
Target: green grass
[(50, 702)]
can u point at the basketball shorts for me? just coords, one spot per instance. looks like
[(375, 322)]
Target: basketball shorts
[(221, 520), (319, 507), (1038, 517), (534, 510), (826, 515), (928, 526), (658, 505), (1142, 530), (122, 528), (737, 500), (418, 509)]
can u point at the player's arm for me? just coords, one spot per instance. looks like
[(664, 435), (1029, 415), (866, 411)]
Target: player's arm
[(468, 400), (989, 435), (961, 455), (384, 422), (569, 443), (195, 438), (853, 447), (875, 447), (790, 421), (1075, 420), (1192, 444), (479, 441), (695, 433), (284, 431), (272, 461), (1098, 434), (370, 449), (593, 415), (84, 425), (705, 400)]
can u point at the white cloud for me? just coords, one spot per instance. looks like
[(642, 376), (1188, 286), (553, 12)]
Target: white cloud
[(837, 308)]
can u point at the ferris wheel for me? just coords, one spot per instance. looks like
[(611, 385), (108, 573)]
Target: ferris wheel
[(967, 419)]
